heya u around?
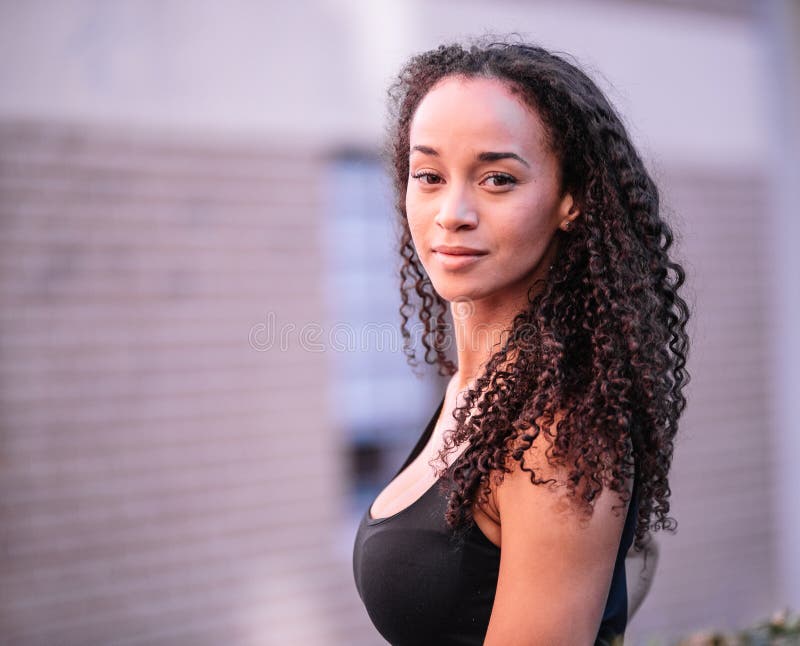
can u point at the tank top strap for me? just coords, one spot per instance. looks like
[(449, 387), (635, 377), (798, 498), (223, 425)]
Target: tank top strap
[(423, 440)]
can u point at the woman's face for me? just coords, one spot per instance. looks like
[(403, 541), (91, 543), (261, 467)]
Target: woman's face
[(482, 178)]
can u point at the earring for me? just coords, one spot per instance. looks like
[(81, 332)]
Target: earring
[(565, 226)]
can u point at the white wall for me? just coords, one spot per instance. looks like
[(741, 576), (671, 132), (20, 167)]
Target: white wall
[(691, 85)]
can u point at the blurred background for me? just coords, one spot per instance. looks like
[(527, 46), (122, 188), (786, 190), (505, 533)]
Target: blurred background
[(202, 384)]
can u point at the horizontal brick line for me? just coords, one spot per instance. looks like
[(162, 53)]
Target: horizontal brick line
[(211, 197), (117, 475), (80, 414), (190, 396), (300, 631), (156, 345), (164, 607), (195, 526), (163, 558), (20, 441), (136, 313), (719, 532), (39, 506), (121, 465), (23, 343), (187, 617), (142, 246), (139, 383), (60, 377), (127, 218), (35, 371), (250, 312), (127, 473), (83, 446), (196, 262), (146, 243), (134, 550), (198, 287), (187, 170), (719, 465), (280, 292), (167, 560), (194, 167), (66, 142)]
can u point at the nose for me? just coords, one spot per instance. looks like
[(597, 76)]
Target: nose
[(458, 209)]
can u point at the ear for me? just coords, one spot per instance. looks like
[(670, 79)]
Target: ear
[(567, 211)]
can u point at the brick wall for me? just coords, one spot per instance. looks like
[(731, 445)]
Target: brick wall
[(718, 570), (161, 480)]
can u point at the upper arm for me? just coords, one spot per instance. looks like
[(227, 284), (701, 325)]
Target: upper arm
[(556, 564)]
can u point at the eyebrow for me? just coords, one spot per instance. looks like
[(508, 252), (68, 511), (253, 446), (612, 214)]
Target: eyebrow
[(483, 157)]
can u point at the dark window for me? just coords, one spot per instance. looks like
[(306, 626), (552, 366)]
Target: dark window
[(377, 402)]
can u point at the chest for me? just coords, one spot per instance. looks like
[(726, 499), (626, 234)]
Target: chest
[(417, 585), (419, 477)]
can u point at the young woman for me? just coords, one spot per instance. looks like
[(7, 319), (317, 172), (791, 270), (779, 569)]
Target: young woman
[(528, 217)]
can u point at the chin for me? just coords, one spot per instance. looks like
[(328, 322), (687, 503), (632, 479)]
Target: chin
[(454, 290)]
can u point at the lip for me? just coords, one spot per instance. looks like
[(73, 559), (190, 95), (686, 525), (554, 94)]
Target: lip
[(457, 257), (459, 251)]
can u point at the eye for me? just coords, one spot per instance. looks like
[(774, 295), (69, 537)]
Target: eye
[(427, 177), (501, 180)]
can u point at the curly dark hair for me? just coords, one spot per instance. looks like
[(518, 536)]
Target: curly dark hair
[(601, 348)]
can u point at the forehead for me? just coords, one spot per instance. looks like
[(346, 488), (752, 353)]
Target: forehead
[(475, 111)]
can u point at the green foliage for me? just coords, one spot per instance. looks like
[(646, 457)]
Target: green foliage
[(782, 629)]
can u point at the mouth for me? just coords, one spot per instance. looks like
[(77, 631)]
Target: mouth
[(457, 258), (459, 251)]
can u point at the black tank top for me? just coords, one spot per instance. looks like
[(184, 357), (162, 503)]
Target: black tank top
[(419, 588)]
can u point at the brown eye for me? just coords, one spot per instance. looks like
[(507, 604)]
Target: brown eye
[(501, 180), (428, 178)]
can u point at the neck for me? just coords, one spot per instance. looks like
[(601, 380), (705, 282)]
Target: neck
[(482, 327), (480, 331)]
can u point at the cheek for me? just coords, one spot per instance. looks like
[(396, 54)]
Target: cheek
[(414, 226), (416, 218), (528, 226)]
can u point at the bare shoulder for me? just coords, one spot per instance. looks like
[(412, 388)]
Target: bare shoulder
[(556, 561), (516, 488)]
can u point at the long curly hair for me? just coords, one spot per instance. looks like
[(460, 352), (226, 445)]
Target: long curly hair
[(602, 346)]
